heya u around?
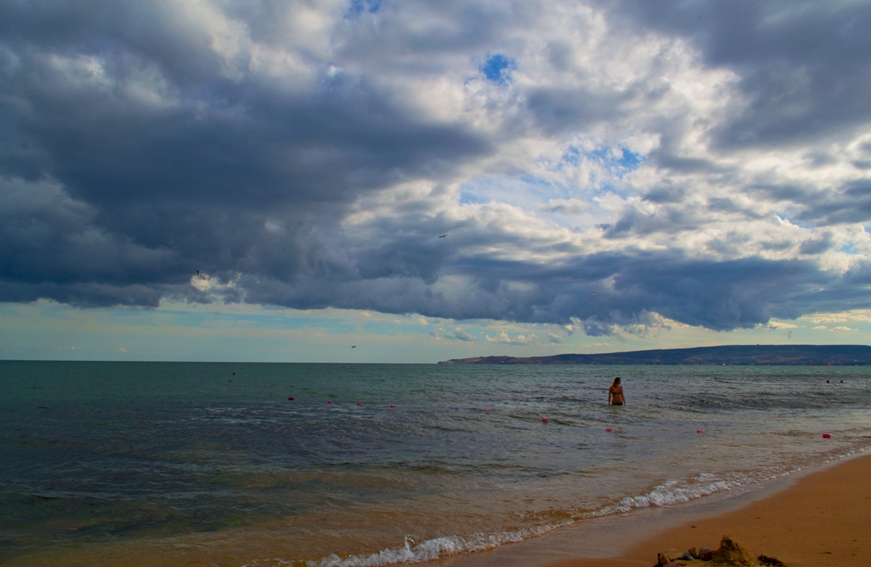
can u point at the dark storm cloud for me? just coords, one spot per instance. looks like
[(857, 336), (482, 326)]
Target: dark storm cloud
[(851, 204), (661, 195), (446, 28), (717, 295), (818, 245), (190, 184), (803, 64), (85, 294), (251, 146), (561, 110)]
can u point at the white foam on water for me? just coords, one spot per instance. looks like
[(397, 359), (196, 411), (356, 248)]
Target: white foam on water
[(428, 550), (673, 492), (669, 493)]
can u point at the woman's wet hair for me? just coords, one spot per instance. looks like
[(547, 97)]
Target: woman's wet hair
[(616, 381)]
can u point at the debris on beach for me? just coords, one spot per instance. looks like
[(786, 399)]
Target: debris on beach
[(730, 553), (770, 561), (669, 559)]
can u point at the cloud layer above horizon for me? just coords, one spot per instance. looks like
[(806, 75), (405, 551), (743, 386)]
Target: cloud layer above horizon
[(592, 165)]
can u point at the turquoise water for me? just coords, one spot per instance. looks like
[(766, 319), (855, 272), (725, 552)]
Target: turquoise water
[(188, 463)]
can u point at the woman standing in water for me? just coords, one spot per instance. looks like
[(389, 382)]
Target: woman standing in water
[(615, 393)]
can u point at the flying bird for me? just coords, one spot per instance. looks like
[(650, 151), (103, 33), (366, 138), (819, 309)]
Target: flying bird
[(592, 295), (353, 346), (443, 236)]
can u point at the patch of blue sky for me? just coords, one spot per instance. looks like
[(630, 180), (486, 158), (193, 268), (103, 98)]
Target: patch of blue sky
[(467, 198), (609, 188), (630, 160), (603, 155), (571, 156), (536, 181), (498, 68), (525, 191), (618, 163), (850, 249), (358, 7)]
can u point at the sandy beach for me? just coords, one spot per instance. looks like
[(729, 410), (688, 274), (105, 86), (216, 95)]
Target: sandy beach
[(821, 520), (812, 518)]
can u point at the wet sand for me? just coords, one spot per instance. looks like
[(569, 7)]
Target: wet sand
[(819, 518), (823, 519)]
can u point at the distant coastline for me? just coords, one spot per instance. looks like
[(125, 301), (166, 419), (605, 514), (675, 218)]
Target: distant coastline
[(786, 355)]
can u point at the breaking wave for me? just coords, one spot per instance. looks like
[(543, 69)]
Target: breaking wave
[(668, 493)]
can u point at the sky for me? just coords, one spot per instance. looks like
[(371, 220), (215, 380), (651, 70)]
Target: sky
[(283, 180)]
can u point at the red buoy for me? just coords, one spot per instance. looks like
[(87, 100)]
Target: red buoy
[(329, 401), (358, 403), (544, 419), (608, 429), (826, 436), (290, 398), (700, 430), (486, 411), (393, 405)]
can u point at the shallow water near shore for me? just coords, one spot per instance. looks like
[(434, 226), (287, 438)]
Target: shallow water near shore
[(186, 463)]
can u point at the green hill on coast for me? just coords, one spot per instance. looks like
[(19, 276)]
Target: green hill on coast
[(796, 355)]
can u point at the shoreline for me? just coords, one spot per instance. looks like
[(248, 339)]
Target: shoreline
[(813, 517), (792, 509)]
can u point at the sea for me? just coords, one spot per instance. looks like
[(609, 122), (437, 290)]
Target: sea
[(334, 465)]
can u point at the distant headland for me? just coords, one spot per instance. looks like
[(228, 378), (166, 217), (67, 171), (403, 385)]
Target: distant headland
[(792, 355)]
